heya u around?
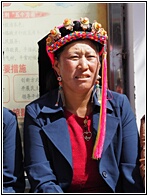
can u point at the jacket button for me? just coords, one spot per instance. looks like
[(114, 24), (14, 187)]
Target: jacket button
[(104, 174)]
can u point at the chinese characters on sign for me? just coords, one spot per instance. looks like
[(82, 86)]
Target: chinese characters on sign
[(20, 59), (27, 88)]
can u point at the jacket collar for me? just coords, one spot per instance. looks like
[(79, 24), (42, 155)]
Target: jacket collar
[(58, 108), (98, 104)]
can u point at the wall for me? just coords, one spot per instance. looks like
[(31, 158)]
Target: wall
[(136, 44)]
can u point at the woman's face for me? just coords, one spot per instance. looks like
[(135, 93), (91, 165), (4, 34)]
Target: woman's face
[(78, 66)]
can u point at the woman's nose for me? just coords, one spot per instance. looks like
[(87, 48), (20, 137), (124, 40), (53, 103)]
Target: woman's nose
[(83, 63)]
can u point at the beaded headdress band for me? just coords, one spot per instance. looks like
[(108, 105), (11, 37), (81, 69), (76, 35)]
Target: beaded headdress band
[(71, 31)]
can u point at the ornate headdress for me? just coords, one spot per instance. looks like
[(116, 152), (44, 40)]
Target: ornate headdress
[(74, 30), (83, 29)]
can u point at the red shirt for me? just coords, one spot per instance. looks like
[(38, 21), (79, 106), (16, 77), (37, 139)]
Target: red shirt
[(86, 177)]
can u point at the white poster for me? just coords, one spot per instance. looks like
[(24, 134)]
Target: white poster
[(24, 24)]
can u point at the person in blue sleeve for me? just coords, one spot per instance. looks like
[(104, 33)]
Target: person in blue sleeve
[(13, 170), (80, 137)]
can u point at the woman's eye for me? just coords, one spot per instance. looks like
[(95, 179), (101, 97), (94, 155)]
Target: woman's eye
[(75, 57), (91, 57)]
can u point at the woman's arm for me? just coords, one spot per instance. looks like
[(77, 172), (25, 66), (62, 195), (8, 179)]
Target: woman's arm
[(13, 172), (131, 178)]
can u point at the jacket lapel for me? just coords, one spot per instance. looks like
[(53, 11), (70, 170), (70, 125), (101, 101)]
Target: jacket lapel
[(111, 122), (57, 132), (111, 127)]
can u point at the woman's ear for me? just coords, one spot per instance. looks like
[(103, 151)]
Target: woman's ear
[(99, 66), (56, 66)]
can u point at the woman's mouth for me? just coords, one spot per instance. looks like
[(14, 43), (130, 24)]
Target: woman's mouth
[(82, 76)]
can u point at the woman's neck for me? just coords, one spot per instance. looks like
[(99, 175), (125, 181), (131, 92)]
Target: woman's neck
[(78, 104)]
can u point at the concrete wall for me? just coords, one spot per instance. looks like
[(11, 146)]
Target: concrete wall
[(136, 44)]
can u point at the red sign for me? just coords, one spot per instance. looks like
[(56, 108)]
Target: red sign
[(23, 14), (6, 4)]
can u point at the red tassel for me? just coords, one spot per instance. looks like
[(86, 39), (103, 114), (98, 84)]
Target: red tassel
[(99, 143)]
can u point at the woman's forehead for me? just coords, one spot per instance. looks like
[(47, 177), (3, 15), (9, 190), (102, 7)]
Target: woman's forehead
[(86, 44)]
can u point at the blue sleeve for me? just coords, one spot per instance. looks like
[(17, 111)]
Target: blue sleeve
[(129, 164), (13, 172), (37, 165)]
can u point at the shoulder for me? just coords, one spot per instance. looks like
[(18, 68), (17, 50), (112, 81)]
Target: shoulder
[(8, 116), (47, 100), (117, 99), (122, 107), (10, 123)]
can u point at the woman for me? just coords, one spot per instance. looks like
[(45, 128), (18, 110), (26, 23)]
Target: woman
[(13, 171), (66, 148)]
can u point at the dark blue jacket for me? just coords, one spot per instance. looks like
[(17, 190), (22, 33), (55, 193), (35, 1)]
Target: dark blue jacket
[(13, 171), (48, 155)]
